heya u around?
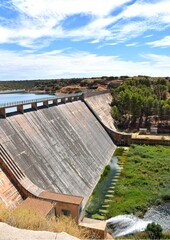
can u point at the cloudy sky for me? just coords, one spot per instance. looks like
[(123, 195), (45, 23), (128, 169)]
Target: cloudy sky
[(84, 38)]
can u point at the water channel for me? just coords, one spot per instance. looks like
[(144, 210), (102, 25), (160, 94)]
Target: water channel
[(98, 204)]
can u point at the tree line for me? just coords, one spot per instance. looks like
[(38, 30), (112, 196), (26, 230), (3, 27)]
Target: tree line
[(137, 101)]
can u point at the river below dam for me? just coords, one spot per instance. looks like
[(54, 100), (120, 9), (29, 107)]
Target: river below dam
[(123, 225), (98, 204)]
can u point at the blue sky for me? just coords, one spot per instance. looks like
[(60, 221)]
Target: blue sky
[(42, 39)]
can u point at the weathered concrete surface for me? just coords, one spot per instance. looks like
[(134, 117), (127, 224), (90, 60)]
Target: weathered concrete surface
[(101, 105), (95, 226), (9, 195), (62, 148), (11, 233)]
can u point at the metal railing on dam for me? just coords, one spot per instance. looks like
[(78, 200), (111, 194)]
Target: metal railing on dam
[(34, 102), (15, 103)]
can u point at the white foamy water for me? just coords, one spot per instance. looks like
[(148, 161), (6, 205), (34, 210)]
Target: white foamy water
[(160, 215), (123, 225)]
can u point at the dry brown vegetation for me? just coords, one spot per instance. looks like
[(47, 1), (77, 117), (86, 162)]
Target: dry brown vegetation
[(28, 219)]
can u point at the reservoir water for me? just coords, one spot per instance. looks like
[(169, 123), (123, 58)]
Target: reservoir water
[(15, 97)]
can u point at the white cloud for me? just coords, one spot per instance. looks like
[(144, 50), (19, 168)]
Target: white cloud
[(44, 18), (95, 41), (58, 64), (128, 30), (148, 36), (131, 44), (164, 42), (159, 61), (157, 10), (62, 8)]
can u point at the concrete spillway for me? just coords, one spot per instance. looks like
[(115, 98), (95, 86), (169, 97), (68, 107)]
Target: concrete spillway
[(62, 148)]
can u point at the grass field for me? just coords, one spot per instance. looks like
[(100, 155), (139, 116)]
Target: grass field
[(144, 180)]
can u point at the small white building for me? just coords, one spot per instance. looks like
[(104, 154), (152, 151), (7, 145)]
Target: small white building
[(154, 130), (142, 130)]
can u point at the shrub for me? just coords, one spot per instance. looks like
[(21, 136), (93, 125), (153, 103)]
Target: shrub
[(105, 172), (154, 231), (29, 219), (3, 213), (119, 151)]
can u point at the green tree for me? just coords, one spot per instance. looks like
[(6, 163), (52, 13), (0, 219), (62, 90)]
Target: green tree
[(161, 91), (154, 231), (115, 113)]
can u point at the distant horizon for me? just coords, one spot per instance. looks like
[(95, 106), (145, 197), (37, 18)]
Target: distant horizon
[(57, 39), (50, 79)]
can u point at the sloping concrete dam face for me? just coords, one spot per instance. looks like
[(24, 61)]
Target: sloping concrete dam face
[(61, 148), (101, 105)]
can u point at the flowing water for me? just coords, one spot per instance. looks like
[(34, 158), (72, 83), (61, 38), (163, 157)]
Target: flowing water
[(123, 225), (160, 215)]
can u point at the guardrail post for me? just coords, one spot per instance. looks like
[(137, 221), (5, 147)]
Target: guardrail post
[(20, 109), (2, 112), (63, 100), (81, 97), (55, 102), (70, 99), (34, 105), (45, 104), (76, 98)]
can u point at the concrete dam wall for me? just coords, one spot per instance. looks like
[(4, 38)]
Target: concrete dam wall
[(100, 105), (62, 148)]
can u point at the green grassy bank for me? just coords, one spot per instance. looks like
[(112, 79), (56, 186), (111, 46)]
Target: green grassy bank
[(144, 180)]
